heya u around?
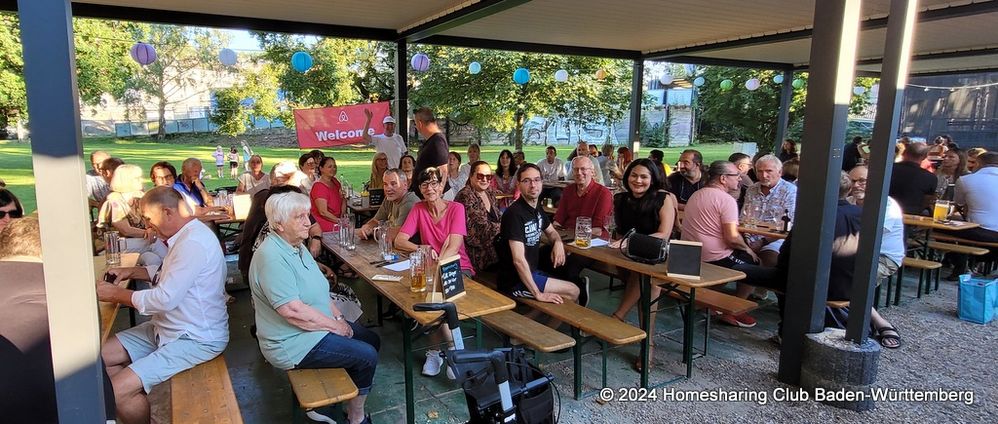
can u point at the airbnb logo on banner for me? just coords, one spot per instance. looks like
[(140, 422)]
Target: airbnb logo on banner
[(337, 126)]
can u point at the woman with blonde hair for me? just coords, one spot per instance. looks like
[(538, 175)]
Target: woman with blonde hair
[(378, 167), (121, 213)]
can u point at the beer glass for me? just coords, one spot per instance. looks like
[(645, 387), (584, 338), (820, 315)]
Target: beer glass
[(583, 232), (384, 243), (418, 261), (112, 248), (941, 211)]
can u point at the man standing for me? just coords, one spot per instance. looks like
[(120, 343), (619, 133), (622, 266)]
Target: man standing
[(769, 200), (913, 187), (519, 245), (97, 187), (712, 219), (688, 177), (434, 151), (744, 164), (398, 202), (390, 143), (851, 155), (582, 150), (189, 325)]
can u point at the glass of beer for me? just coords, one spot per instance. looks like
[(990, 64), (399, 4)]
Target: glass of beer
[(583, 232), (941, 211), (418, 261)]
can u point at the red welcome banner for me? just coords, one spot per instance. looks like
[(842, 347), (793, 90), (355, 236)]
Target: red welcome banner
[(336, 126)]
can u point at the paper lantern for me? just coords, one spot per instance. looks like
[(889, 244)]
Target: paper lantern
[(875, 90), (858, 90), (474, 68), (727, 84), (301, 61), (798, 84), (699, 81), (521, 76), (601, 74), (778, 79), (561, 75), (753, 84), (227, 57), (143, 53), (665, 79), (420, 62)]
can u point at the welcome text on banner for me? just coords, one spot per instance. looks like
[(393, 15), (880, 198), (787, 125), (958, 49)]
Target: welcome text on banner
[(337, 126)]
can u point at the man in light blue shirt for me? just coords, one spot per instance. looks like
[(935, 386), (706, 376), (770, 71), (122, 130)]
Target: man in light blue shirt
[(975, 196)]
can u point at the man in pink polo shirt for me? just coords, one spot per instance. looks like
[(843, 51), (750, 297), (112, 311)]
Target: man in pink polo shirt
[(586, 198), (712, 219)]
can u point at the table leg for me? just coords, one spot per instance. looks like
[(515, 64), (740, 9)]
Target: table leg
[(410, 399), (645, 313), (688, 334)]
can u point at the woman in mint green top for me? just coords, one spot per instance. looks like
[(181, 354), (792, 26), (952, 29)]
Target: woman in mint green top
[(297, 324)]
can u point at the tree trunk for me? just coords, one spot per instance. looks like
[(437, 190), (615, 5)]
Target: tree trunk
[(518, 130), (161, 132)]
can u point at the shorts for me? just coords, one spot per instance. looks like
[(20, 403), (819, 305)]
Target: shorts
[(886, 267), (233, 165), (155, 364), (773, 246), (521, 290), (220, 165)]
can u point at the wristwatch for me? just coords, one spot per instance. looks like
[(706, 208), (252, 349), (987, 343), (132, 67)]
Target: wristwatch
[(338, 318)]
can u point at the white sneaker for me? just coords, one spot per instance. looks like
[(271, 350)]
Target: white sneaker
[(431, 368), (450, 374)]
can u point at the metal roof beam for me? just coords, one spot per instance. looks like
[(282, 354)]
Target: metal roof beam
[(869, 24), (734, 63), (482, 43), (457, 18)]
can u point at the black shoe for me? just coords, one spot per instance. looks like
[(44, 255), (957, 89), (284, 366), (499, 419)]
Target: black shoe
[(584, 292)]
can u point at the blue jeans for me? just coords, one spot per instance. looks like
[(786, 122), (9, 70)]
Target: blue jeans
[(358, 355)]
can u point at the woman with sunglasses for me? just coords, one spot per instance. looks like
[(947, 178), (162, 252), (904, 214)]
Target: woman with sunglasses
[(482, 215), (504, 181), (441, 225), (10, 207)]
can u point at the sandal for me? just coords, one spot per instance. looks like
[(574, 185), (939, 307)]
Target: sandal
[(651, 358), (886, 339)]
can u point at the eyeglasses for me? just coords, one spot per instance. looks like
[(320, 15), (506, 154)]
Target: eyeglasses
[(430, 184), (580, 170), (14, 214), (537, 180), (484, 177), (859, 180), (730, 175)]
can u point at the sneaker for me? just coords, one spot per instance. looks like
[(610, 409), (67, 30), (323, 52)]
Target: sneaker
[(431, 368), (584, 292), (742, 320), (450, 374)]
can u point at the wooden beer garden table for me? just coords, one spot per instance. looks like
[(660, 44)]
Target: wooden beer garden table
[(477, 301), (710, 275), (929, 224), (763, 230), (109, 310)]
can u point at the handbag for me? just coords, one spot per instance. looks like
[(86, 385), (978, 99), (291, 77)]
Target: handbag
[(644, 248)]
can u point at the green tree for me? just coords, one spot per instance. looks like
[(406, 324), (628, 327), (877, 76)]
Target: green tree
[(185, 57), (255, 95)]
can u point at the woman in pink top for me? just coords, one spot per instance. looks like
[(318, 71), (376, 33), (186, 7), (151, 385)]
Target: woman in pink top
[(327, 203), (439, 223)]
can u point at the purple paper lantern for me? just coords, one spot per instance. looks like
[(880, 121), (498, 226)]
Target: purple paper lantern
[(143, 53), (420, 62)]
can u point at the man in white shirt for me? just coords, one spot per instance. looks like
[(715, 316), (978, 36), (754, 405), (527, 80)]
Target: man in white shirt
[(389, 143), (552, 170), (189, 325), (975, 195)]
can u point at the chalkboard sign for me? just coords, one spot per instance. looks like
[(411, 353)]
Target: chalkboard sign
[(376, 196), (451, 278), (684, 259)]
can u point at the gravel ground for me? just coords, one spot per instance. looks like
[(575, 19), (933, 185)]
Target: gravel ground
[(938, 352)]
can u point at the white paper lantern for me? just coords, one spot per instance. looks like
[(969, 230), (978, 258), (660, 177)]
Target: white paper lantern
[(561, 75), (665, 79), (858, 90), (875, 90), (753, 84), (227, 57)]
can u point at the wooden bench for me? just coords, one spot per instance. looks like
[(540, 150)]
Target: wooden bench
[(595, 325), (962, 249), (204, 395), (315, 388), (957, 240), (532, 333)]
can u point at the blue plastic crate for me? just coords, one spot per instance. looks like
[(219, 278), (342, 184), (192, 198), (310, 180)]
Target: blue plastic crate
[(978, 299)]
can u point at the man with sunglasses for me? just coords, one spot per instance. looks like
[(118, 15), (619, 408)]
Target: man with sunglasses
[(10, 207)]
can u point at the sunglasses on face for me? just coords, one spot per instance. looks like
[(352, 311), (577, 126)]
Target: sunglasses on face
[(13, 214), (484, 177)]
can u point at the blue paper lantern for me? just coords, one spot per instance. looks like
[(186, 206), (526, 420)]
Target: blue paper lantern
[(699, 81), (227, 57), (561, 75), (143, 53), (420, 62), (474, 68), (778, 79), (521, 76), (301, 61)]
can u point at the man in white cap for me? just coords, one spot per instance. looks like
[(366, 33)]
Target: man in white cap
[(389, 143)]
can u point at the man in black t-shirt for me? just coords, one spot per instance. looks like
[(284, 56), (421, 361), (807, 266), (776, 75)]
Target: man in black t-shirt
[(913, 187), (688, 177), (851, 155), (434, 151), (519, 245)]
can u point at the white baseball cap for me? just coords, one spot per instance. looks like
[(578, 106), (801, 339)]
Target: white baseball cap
[(388, 120)]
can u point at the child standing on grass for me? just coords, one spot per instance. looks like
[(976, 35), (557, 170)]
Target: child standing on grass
[(233, 163), (219, 156)]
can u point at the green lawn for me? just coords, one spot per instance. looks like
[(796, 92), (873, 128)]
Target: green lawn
[(354, 163)]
